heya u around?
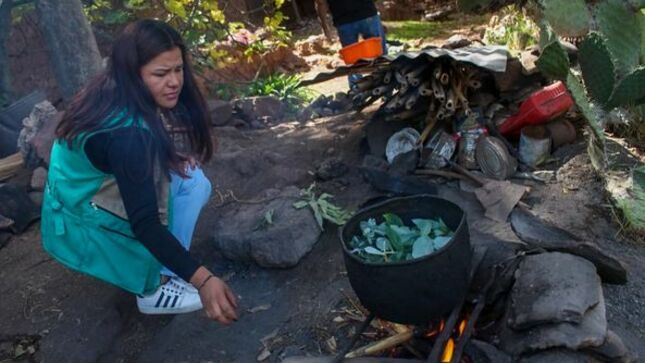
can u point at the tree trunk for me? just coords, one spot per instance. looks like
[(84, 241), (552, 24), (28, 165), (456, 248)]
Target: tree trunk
[(6, 93), (321, 10), (71, 43)]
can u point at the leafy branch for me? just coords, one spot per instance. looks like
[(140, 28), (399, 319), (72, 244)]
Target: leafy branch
[(321, 207)]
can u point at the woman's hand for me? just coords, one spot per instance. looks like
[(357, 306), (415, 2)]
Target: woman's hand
[(218, 299), (189, 162)]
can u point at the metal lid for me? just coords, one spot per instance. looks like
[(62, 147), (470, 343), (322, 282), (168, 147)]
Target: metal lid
[(493, 158)]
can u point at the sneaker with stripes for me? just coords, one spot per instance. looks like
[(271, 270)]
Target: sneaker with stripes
[(174, 297)]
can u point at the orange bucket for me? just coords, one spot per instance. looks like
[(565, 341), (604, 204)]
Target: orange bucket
[(368, 48)]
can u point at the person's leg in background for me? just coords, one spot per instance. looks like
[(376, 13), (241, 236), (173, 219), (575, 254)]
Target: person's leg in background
[(372, 27), (348, 35), (188, 197)]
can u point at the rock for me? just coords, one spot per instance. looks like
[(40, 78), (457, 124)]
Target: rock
[(320, 101), (4, 238), (612, 350), (514, 78), (39, 132), (404, 164), (5, 223), (373, 162), (552, 288), (559, 356), (331, 168), (326, 112), (252, 108), (221, 112), (16, 205), (239, 123), (456, 41), (243, 234), (540, 234), (482, 352), (37, 198), (591, 332), (528, 59), (305, 114), (38, 179)]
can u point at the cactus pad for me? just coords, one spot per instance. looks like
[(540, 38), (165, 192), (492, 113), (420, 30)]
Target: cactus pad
[(621, 27), (630, 90), (554, 61), (597, 68), (568, 18)]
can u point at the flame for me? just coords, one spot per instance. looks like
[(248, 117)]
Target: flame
[(448, 351), (436, 330), (462, 327)]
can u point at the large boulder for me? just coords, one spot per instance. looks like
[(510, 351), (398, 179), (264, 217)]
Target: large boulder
[(253, 108), (272, 234)]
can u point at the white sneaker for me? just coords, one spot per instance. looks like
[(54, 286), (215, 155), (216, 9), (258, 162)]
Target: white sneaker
[(173, 297)]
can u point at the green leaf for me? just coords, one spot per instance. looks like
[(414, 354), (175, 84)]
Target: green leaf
[(373, 251), (554, 61), (300, 204), (393, 237), (392, 219), (597, 67), (620, 26), (383, 244), (440, 241), (568, 18), (630, 89), (422, 247), (317, 215), (424, 225)]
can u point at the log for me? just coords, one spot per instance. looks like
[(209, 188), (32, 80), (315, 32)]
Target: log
[(381, 345), (10, 165)]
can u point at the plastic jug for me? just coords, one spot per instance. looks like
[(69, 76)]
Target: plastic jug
[(540, 107)]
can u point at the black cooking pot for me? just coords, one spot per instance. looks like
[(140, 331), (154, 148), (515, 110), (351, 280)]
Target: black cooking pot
[(418, 291)]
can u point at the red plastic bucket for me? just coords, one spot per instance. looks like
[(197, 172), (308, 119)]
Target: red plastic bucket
[(365, 49)]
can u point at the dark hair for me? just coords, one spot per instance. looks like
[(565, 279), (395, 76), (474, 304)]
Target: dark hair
[(119, 93)]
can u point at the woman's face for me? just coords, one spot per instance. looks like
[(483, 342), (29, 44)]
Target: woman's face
[(164, 77)]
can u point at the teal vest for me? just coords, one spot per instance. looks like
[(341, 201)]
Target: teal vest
[(84, 225)]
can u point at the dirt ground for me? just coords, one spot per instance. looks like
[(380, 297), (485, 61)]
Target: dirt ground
[(66, 317)]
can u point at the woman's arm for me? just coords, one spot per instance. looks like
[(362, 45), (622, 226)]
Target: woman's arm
[(126, 154)]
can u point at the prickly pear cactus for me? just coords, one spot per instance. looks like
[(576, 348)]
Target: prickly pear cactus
[(621, 27), (568, 18), (596, 142), (554, 61), (597, 68), (630, 89)]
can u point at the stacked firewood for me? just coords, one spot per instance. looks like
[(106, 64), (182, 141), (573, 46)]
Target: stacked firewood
[(437, 88)]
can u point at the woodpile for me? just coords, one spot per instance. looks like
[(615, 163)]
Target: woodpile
[(437, 88)]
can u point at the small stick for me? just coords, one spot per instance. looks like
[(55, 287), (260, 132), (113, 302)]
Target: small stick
[(341, 356), (381, 345), (442, 173)]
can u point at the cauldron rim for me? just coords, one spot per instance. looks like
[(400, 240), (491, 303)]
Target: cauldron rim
[(439, 252)]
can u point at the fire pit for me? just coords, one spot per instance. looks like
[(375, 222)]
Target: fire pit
[(419, 291)]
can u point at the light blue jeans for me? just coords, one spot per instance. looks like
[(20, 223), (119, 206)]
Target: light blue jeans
[(188, 197)]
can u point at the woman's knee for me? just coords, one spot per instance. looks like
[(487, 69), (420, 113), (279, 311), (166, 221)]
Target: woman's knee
[(202, 185)]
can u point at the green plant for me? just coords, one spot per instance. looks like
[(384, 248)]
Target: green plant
[(634, 208), (284, 87), (610, 55), (393, 241), (321, 207), (202, 23), (514, 29), (265, 221)]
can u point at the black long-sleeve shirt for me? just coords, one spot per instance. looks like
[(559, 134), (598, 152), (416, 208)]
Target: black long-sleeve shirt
[(349, 11), (125, 152)]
